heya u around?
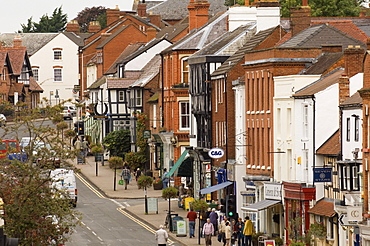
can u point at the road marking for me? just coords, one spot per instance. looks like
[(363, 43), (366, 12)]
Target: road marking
[(126, 204), (92, 188)]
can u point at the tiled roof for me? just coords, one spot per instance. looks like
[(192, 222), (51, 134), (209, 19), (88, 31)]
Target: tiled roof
[(32, 41), (170, 32), (16, 57), (229, 42), (323, 62), (178, 9), (318, 35), (119, 83), (102, 80), (239, 55), (354, 100), (18, 87), (323, 208), (2, 59), (131, 48), (150, 70), (321, 84), (331, 146), (34, 86)]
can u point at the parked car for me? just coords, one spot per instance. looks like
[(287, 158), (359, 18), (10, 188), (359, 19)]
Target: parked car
[(65, 180), (2, 120), (39, 148), (69, 111)]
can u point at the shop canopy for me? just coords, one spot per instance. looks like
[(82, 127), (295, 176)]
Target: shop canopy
[(177, 164), (261, 205), (215, 187)]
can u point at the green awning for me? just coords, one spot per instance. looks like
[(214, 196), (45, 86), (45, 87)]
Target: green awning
[(177, 164), (186, 168)]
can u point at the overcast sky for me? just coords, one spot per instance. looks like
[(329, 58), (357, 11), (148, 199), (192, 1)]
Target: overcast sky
[(13, 13)]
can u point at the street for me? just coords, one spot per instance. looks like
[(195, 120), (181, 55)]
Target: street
[(104, 221)]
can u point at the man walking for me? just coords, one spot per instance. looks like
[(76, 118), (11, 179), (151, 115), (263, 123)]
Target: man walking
[(125, 175), (165, 179), (208, 231), (214, 219), (192, 217), (161, 236), (248, 231)]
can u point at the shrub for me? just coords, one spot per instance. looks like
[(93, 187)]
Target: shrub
[(115, 162), (169, 192), (199, 205), (144, 182)]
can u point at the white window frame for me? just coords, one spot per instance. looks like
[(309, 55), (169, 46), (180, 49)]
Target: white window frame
[(57, 55), (357, 129), (58, 74), (138, 97), (348, 131), (35, 72), (305, 121), (184, 114), (184, 72), (121, 96)]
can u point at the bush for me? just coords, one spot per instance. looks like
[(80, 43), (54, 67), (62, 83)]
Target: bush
[(157, 181), (199, 205), (169, 192), (115, 162), (144, 182), (97, 149)]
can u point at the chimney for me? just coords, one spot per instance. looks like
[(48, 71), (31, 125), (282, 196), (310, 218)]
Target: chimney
[(300, 18), (198, 14), (150, 33), (112, 15), (141, 9), (17, 42), (73, 26), (155, 20), (367, 68), (343, 88), (94, 27), (353, 60), (104, 36)]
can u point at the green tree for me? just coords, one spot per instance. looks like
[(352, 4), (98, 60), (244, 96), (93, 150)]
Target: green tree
[(54, 23), (325, 8), (31, 210), (91, 14), (118, 142)]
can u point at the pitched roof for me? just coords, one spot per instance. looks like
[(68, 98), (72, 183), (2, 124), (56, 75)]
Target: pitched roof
[(318, 35), (323, 62), (150, 70), (16, 57), (238, 56), (112, 36), (78, 39), (321, 84), (17, 87), (2, 59), (171, 31), (32, 41), (178, 9), (34, 86), (119, 83), (131, 48), (199, 38), (331, 146), (102, 80), (353, 101), (323, 208)]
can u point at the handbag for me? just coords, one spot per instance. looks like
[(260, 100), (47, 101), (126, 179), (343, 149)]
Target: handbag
[(120, 182), (219, 237)]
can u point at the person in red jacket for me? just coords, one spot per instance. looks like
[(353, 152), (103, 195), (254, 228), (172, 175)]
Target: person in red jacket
[(192, 216)]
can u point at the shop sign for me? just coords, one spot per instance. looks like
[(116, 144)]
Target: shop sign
[(354, 213), (323, 174), (273, 191), (216, 153)]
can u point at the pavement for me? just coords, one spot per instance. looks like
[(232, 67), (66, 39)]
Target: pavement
[(102, 178)]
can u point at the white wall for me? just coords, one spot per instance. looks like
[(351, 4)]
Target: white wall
[(44, 59)]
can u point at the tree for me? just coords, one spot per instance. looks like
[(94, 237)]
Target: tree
[(54, 23), (325, 8), (32, 211), (118, 142), (144, 182), (91, 14)]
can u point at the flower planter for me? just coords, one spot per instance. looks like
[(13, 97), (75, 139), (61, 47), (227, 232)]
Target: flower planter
[(158, 186)]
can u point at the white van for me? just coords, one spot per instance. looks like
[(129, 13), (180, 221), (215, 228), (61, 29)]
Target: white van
[(64, 179)]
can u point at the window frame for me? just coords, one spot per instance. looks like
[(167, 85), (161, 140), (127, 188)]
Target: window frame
[(57, 54), (56, 75), (184, 115), (348, 129), (185, 70)]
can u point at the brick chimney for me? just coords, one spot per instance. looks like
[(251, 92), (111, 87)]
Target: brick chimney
[(112, 15), (300, 18), (73, 26), (150, 33), (141, 9), (155, 20), (94, 26), (198, 13), (343, 88), (367, 68), (17, 42), (353, 60)]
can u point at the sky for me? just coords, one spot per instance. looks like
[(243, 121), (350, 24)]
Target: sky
[(17, 12)]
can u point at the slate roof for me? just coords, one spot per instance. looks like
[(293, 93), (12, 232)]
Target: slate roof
[(131, 48), (321, 84), (178, 9), (323, 62), (119, 83), (323, 208), (79, 38), (32, 41), (223, 43), (353, 101), (102, 80), (331, 146), (150, 70), (239, 55), (197, 39), (318, 35), (171, 31)]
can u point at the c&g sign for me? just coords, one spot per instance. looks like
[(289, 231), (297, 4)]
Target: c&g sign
[(216, 153)]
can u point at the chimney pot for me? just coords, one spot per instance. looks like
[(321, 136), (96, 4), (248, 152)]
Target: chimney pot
[(17, 42)]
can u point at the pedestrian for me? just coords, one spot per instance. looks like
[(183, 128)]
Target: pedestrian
[(223, 229), (85, 146), (165, 179), (214, 219), (161, 236), (239, 226), (137, 174), (228, 233), (248, 231), (192, 217), (126, 175), (208, 231)]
